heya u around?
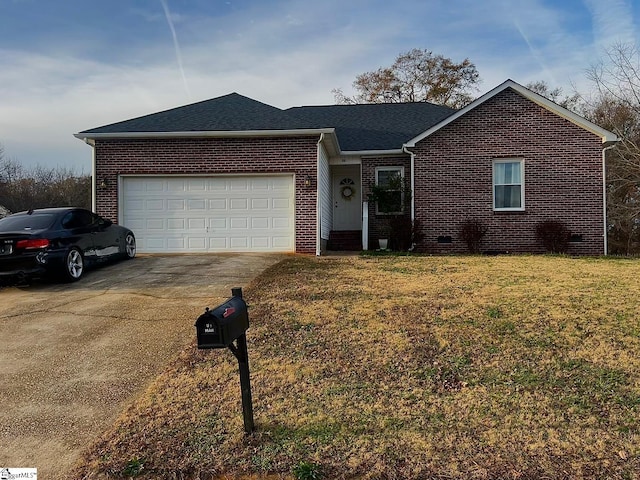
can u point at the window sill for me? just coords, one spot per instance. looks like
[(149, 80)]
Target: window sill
[(520, 211)]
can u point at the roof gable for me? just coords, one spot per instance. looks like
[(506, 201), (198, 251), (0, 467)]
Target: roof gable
[(607, 136)]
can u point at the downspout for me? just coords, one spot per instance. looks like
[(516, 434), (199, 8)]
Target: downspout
[(94, 181), (413, 182), (318, 200), (604, 197)]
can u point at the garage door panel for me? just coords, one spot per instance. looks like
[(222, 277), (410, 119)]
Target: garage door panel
[(217, 184), (176, 205), (196, 185), (175, 186), (154, 186), (260, 184), (210, 214), (218, 244), (176, 224), (156, 204), (238, 204), (259, 222), (155, 224), (260, 243), (152, 244), (197, 204), (283, 223), (196, 224), (259, 204), (219, 223), (197, 243), (136, 205), (177, 244), (239, 184), (281, 204), (239, 243), (239, 222)]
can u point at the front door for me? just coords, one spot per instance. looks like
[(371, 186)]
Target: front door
[(347, 197)]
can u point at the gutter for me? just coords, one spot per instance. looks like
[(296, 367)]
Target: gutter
[(196, 134), (373, 153), (609, 146), (92, 144), (318, 200), (413, 181)]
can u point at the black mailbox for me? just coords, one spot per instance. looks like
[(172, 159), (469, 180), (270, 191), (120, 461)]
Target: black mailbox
[(219, 327)]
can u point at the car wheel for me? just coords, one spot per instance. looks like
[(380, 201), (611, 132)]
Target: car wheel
[(73, 265), (130, 245)]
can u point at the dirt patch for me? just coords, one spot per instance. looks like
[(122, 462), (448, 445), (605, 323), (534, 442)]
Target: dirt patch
[(73, 355)]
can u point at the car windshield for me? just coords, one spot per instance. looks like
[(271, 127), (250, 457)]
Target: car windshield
[(16, 223)]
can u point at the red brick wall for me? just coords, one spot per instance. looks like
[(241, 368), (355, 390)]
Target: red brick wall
[(563, 177), (181, 156)]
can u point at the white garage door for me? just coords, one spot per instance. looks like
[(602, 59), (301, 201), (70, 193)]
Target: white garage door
[(210, 214)]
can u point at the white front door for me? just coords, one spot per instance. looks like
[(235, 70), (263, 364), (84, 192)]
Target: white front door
[(347, 197)]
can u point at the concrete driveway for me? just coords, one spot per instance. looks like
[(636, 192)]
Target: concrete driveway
[(73, 355)]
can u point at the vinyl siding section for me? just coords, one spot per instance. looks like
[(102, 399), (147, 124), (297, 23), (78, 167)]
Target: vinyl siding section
[(324, 192)]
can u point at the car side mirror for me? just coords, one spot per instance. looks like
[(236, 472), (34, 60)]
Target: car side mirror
[(104, 222)]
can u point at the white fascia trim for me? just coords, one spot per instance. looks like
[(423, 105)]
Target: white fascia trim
[(217, 133), (373, 153), (608, 137)]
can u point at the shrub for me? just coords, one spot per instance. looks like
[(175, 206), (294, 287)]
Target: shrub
[(404, 234), (472, 231), (554, 236)]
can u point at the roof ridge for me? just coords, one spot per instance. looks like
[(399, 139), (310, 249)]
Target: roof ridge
[(385, 104)]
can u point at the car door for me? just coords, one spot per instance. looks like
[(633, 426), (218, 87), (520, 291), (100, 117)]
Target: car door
[(106, 238), (79, 232)]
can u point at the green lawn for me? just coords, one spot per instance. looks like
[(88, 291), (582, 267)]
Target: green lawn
[(522, 367)]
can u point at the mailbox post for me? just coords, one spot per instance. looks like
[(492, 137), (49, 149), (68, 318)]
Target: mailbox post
[(219, 328)]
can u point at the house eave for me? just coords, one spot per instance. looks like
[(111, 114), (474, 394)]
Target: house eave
[(607, 137), (372, 153), (87, 136)]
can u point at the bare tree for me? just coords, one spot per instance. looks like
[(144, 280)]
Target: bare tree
[(39, 187), (416, 76), (570, 102), (616, 106)]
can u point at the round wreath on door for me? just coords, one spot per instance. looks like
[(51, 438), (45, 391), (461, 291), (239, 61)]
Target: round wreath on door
[(347, 188)]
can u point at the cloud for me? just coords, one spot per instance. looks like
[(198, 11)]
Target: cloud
[(612, 22), (283, 52), (176, 45)]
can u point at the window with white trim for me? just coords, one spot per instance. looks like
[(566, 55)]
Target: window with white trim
[(391, 179), (508, 185)]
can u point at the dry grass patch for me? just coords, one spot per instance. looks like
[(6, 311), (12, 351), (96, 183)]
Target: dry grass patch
[(407, 368)]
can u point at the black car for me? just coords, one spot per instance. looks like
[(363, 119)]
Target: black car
[(60, 241)]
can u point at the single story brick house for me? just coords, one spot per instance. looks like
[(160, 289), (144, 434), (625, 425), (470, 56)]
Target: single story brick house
[(232, 174)]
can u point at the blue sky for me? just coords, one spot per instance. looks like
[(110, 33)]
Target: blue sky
[(70, 65)]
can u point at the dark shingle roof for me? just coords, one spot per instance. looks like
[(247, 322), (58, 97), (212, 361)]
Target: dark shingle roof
[(358, 127), (383, 126)]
